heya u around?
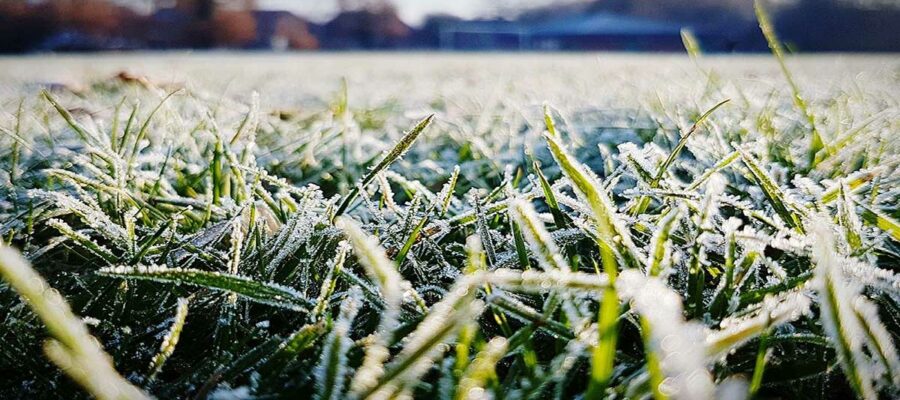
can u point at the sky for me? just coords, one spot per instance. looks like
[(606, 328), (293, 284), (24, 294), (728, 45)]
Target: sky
[(411, 11)]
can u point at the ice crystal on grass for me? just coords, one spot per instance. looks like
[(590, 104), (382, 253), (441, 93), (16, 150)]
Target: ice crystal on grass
[(675, 345), (167, 347), (262, 292)]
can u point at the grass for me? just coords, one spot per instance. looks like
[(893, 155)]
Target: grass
[(410, 235)]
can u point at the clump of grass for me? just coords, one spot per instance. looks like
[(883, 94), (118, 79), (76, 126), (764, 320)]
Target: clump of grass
[(515, 251)]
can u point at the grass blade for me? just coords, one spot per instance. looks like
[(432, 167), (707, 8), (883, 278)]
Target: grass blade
[(644, 202), (399, 149), (837, 313), (881, 220), (558, 217), (481, 370), (390, 283), (331, 371), (674, 347), (259, 292), (660, 243), (768, 30), (609, 232), (167, 347), (772, 191), (74, 350)]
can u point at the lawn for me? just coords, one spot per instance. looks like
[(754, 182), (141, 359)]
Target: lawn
[(504, 226)]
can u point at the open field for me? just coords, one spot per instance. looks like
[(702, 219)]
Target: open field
[(449, 226)]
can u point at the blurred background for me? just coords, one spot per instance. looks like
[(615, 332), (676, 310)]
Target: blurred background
[(29, 26)]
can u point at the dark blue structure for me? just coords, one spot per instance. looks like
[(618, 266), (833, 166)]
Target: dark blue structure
[(598, 31)]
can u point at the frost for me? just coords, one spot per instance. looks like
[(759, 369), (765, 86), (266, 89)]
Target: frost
[(679, 344)]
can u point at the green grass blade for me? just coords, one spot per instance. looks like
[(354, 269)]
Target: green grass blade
[(691, 44), (881, 221), (291, 348), (836, 298), (548, 121), (538, 238), (851, 183), (682, 142), (482, 369), (736, 331), (668, 337), (336, 266), (772, 191), (722, 164), (399, 149), (644, 201), (259, 292), (390, 283), (425, 345), (167, 347), (592, 192), (879, 340), (661, 245), (79, 129), (331, 371), (558, 217), (768, 30), (74, 350)]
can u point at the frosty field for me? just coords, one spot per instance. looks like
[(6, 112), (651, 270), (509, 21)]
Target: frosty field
[(458, 226)]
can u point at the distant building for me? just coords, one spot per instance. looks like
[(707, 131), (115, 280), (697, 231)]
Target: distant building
[(281, 30), (598, 31), (371, 28), (229, 28)]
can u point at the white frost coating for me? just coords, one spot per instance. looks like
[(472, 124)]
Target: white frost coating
[(836, 300), (167, 346), (870, 275), (269, 293), (880, 341), (678, 344), (74, 350), (620, 232), (536, 235), (774, 311), (634, 158), (382, 271), (428, 342), (237, 238), (89, 215), (537, 281), (732, 388), (82, 239), (293, 234)]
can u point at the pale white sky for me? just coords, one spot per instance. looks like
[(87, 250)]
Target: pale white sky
[(412, 11)]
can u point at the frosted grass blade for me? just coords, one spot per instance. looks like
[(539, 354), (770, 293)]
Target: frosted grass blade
[(332, 369), (259, 292), (772, 191), (768, 30), (837, 313), (481, 370), (675, 347), (390, 283), (74, 350), (399, 149), (167, 347)]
